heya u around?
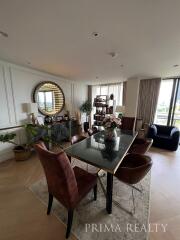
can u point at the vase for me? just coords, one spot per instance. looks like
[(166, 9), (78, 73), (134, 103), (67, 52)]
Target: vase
[(110, 134)]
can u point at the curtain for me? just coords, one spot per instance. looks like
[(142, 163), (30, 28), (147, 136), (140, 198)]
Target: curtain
[(116, 89), (148, 98), (90, 100), (124, 93)]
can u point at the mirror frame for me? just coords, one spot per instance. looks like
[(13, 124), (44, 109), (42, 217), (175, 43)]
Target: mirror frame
[(35, 92)]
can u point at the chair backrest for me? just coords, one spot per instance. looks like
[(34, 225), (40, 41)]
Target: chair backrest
[(134, 168), (59, 175), (77, 138), (165, 130), (127, 123)]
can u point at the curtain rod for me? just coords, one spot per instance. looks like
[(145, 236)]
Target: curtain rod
[(107, 84), (171, 78)]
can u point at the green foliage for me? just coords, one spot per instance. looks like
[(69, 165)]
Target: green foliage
[(8, 137), (86, 107)]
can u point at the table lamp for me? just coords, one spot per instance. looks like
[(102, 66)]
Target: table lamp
[(120, 110), (32, 110)]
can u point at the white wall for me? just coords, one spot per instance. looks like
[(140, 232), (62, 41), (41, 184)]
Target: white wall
[(132, 93), (16, 86)]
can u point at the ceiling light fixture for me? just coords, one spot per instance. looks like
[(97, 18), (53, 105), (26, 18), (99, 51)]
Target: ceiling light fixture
[(113, 54), (3, 34), (95, 34)]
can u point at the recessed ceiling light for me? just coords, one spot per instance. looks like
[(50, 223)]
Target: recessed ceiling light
[(113, 54), (176, 65), (97, 77), (122, 65), (95, 34), (3, 34)]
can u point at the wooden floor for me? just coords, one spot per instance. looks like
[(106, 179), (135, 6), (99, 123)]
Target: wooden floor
[(23, 216)]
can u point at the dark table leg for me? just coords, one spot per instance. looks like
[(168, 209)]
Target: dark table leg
[(109, 192)]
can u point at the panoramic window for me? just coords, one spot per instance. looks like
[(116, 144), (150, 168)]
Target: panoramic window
[(168, 107)]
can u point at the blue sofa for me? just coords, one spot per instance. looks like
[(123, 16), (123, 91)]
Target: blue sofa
[(164, 136)]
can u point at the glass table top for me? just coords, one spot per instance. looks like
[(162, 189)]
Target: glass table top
[(103, 154)]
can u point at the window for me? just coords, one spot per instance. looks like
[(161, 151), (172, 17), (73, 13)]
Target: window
[(168, 107), (164, 100), (46, 100), (116, 89)]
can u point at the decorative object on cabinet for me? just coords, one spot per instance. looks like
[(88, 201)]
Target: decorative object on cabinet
[(49, 98), (48, 119), (78, 116), (40, 120), (86, 108), (32, 110)]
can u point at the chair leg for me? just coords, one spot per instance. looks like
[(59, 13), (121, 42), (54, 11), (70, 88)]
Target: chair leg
[(69, 223), (50, 203), (95, 192), (69, 158), (133, 200)]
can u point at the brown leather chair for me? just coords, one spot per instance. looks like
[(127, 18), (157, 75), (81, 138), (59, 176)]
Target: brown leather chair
[(127, 123), (133, 169), (141, 146), (77, 138), (68, 185)]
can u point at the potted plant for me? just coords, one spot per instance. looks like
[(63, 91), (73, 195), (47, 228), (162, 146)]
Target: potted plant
[(22, 152), (86, 108)]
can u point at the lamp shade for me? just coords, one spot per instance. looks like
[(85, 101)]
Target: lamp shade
[(32, 108), (120, 109)]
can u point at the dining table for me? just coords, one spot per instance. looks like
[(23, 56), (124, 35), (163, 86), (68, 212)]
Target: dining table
[(104, 154)]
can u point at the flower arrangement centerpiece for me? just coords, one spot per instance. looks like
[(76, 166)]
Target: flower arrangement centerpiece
[(110, 123)]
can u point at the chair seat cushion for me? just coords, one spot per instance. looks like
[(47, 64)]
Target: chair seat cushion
[(85, 181)]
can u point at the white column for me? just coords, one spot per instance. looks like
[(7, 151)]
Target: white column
[(132, 93)]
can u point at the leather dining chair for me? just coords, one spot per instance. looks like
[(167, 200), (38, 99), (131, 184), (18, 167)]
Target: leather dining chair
[(127, 123), (68, 185), (132, 170), (75, 139), (141, 145)]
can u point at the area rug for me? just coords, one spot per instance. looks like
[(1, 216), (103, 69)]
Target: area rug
[(91, 220)]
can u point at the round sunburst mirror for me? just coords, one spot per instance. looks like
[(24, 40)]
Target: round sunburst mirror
[(49, 98)]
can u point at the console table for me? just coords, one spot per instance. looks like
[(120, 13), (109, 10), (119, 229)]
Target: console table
[(58, 131)]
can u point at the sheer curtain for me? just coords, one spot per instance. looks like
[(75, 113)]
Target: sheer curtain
[(116, 89)]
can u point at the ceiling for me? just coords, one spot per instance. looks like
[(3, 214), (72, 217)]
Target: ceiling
[(55, 36)]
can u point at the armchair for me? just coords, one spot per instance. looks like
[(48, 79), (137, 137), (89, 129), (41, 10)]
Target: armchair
[(166, 137)]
